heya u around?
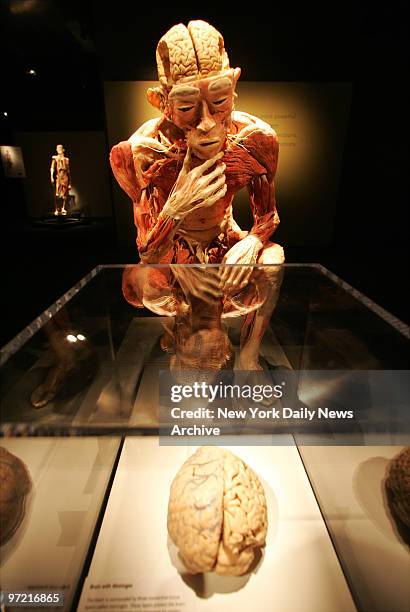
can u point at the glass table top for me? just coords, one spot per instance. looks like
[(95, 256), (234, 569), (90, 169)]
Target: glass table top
[(90, 363)]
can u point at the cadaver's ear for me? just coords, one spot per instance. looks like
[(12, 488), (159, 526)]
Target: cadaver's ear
[(156, 97), (236, 75)]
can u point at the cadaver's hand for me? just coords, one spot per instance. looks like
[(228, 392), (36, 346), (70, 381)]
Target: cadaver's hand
[(235, 277), (201, 282), (195, 189)]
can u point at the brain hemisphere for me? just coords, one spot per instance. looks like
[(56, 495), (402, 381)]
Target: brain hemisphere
[(187, 52), (217, 514), (208, 44), (245, 517), (176, 56), (195, 510), (398, 485), (14, 486)]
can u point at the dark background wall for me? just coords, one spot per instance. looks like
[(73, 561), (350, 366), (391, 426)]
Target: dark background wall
[(310, 120), (74, 47)]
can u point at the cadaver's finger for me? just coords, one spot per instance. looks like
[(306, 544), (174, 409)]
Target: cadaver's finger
[(211, 290), (214, 198), (236, 274), (202, 293), (207, 202), (245, 275), (214, 272), (203, 276), (212, 176), (226, 272), (212, 283), (208, 163), (213, 187), (187, 162), (233, 273)]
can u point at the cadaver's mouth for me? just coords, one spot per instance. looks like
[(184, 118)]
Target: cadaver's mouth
[(208, 143)]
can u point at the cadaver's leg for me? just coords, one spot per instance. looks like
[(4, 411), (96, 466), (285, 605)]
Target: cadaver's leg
[(255, 323)]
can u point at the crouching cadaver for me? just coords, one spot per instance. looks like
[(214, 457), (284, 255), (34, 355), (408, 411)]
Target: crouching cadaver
[(182, 171)]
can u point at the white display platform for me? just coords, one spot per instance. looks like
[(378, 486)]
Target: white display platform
[(131, 568), (69, 479), (349, 485)]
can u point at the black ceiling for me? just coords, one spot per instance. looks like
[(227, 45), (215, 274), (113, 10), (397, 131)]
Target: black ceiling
[(74, 46)]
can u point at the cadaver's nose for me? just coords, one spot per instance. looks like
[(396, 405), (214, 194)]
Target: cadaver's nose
[(207, 122)]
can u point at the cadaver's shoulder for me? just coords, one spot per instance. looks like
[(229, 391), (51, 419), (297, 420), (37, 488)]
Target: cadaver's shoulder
[(248, 123), (259, 139), (146, 144), (149, 128)]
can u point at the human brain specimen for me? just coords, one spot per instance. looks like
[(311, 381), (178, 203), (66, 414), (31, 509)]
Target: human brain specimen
[(15, 484), (398, 485), (217, 514)]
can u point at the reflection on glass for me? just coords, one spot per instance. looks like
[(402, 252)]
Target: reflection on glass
[(73, 362), (196, 299), (186, 315)]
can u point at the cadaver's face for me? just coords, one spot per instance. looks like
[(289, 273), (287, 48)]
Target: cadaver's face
[(60, 149), (202, 109)]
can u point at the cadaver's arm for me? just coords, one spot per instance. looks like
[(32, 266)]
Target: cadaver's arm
[(263, 205)]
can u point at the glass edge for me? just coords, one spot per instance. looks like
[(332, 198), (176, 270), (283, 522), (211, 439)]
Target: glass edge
[(28, 332), (393, 321)]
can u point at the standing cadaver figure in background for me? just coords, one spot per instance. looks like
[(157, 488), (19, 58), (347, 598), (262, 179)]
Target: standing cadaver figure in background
[(182, 171), (60, 177)]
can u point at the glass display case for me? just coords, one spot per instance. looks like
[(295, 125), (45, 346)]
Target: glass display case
[(90, 460)]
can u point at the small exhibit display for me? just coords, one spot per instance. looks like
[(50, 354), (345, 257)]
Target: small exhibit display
[(15, 484), (398, 486), (136, 564), (352, 485), (13, 162), (60, 177), (51, 494), (217, 515)]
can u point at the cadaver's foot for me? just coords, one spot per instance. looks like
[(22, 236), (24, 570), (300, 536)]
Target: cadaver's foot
[(51, 386), (70, 375), (248, 361), (167, 343)]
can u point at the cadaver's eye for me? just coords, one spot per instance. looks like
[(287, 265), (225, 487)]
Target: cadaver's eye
[(185, 109), (220, 101)]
